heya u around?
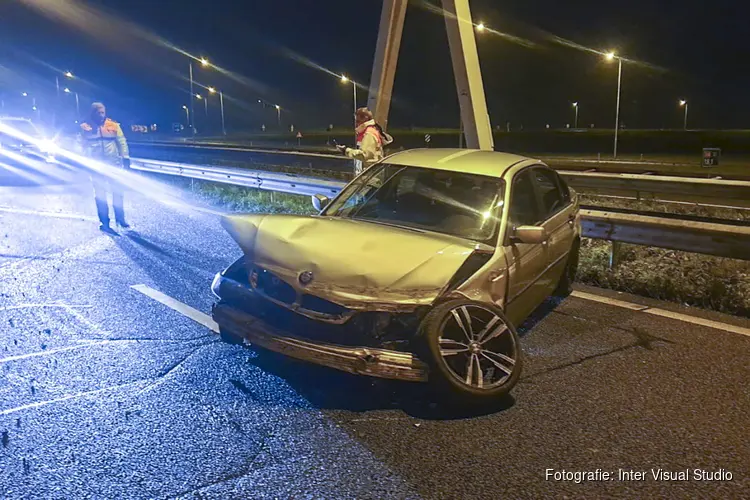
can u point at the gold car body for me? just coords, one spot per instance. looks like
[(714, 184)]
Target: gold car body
[(365, 266)]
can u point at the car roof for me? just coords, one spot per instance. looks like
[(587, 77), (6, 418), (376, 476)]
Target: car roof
[(472, 161)]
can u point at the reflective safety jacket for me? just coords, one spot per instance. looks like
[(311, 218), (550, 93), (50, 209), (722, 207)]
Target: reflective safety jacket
[(104, 142), (370, 144)]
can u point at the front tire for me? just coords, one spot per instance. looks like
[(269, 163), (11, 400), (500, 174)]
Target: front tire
[(473, 350)]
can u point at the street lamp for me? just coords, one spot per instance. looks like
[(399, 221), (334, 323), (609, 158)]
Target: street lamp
[(221, 103), (78, 108), (187, 115), (68, 75), (278, 112), (575, 123), (345, 79), (25, 94), (205, 102), (480, 27), (684, 103), (610, 56), (204, 62)]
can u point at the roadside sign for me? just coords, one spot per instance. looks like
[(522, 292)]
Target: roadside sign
[(427, 139), (177, 127), (711, 157), (299, 135)]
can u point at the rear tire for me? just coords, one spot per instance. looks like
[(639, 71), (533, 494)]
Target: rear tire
[(568, 277), (472, 349)]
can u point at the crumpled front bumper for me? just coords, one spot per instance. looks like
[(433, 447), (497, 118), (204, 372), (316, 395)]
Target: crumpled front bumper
[(370, 361)]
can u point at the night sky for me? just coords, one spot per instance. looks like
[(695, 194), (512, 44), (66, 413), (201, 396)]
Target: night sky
[(693, 51)]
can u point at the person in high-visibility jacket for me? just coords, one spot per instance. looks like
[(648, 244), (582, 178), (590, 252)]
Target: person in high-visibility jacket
[(371, 139), (102, 140)]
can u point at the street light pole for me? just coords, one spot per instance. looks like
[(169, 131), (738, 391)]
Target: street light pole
[(278, 112), (617, 113), (575, 123), (345, 79), (611, 56), (221, 101), (187, 116), (192, 97), (354, 86), (684, 103)]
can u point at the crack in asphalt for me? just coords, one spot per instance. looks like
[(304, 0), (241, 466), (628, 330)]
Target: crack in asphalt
[(643, 340), (640, 334), (162, 377), (155, 381), (250, 468)]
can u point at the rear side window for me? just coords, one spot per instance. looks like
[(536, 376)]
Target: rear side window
[(550, 191), (524, 210)]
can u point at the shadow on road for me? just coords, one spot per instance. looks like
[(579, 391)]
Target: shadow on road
[(541, 312), (327, 388)]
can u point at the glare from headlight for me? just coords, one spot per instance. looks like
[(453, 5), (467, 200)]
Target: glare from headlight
[(48, 147)]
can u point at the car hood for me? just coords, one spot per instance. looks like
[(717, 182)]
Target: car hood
[(357, 264)]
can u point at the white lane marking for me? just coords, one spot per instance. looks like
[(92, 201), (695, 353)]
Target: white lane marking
[(78, 252), (51, 351), (32, 306), (68, 397), (695, 320), (607, 300), (57, 215), (178, 306)]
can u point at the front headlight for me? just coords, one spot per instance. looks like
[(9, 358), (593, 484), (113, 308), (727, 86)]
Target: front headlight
[(48, 147)]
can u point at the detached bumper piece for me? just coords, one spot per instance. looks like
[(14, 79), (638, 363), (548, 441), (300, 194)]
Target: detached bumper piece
[(358, 360)]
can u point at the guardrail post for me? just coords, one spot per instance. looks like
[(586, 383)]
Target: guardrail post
[(614, 254)]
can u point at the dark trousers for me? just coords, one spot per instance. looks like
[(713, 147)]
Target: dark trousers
[(101, 185)]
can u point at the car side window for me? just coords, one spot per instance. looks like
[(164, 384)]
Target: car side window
[(550, 191), (524, 210)]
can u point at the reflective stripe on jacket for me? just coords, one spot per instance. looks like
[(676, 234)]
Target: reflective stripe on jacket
[(104, 142)]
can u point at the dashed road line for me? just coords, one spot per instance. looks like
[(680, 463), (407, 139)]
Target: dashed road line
[(178, 306), (57, 215), (695, 320)]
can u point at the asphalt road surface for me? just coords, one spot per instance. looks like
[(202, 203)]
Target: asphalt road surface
[(108, 393)]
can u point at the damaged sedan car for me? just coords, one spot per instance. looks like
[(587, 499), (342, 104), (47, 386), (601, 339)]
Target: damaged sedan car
[(420, 269)]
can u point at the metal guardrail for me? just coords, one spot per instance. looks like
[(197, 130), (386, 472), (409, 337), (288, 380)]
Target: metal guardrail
[(269, 181), (719, 192), (706, 236), (699, 191), (709, 238)]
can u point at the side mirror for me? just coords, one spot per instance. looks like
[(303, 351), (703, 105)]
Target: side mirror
[(529, 234), (320, 202)]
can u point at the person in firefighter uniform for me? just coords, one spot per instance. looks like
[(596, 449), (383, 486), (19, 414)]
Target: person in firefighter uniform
[(103, 141), (371, 139)]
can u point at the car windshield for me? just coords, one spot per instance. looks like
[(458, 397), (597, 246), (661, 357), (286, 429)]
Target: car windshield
[(21, 126), (454, 203)]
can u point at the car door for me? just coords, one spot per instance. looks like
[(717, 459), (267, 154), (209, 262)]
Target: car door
[(558, 218), (527, 263)]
